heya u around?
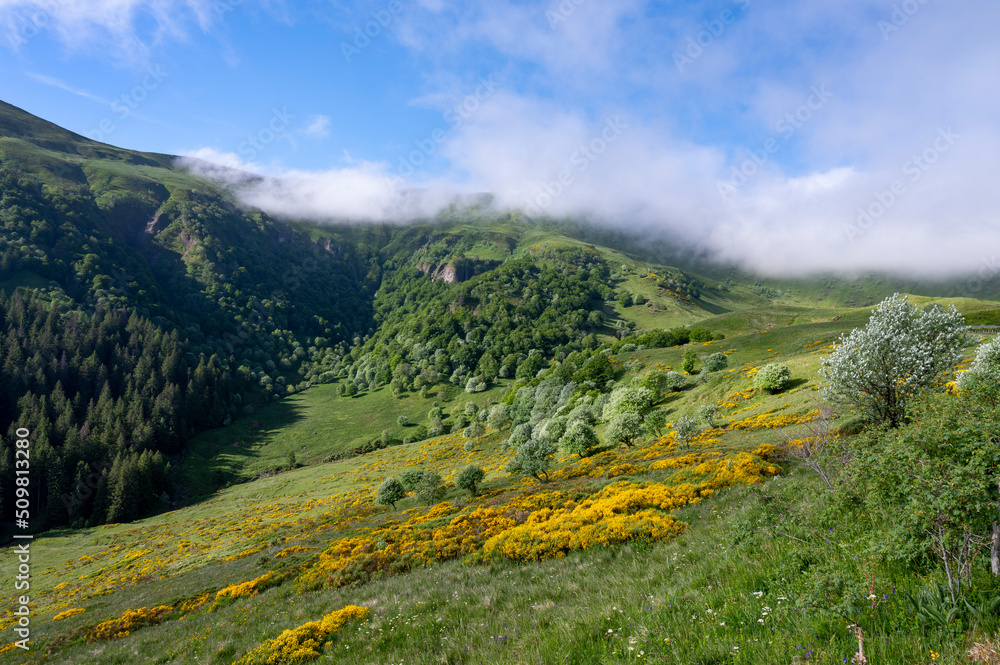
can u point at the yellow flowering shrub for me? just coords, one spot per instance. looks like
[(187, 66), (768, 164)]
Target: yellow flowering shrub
[(297, 549), (733, 400), (623, 470), (298, 645), (251, 588), (68, 613), (127, 622), (678, 462)]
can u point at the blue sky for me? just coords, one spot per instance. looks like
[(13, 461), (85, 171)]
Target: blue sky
[(863, 130)]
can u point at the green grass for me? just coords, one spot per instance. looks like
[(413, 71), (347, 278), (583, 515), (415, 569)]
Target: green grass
[(315, 425), (771, 540)]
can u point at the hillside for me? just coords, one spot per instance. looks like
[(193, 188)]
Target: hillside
[(720, 532), (588, 470)]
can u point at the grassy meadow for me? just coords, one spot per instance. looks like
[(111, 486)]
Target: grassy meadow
[(715, 551)]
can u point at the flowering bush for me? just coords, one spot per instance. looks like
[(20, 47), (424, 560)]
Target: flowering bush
[(127, 622), (302, 644), (715, 362), (901, 351), (772, 378)]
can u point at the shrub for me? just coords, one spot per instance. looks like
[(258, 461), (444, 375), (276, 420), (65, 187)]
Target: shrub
[(435, 428), (708, 413), (715, 362), (985, 370), (389, 492), (474, 431), (673, 381), (627, 348), (431, 488), (471, 476), (655, 382), (579, 439), (476, 384), (687, 428), (469, 446), (655, 421), (520, 435), (772, 378), (403, 420), (690, 358), (901, 351)]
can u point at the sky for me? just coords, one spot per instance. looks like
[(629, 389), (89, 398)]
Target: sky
[(788, 137)]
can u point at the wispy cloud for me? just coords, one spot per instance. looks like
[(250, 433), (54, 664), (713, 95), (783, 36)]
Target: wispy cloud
[(56, 83), (318, 127)]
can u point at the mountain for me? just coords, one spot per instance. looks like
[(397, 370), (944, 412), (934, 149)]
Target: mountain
[(141, 304)]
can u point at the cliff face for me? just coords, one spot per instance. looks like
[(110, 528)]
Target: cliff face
[(458, 270)]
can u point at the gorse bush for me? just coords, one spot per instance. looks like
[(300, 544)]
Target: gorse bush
[(772, 378), (902, 350)]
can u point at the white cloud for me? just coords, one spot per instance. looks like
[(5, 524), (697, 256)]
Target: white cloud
[(319, 127)]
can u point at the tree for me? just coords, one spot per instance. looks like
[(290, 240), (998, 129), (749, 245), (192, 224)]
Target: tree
[(430, 489), (655, 382), (686, 429), (389, 492), (673, 381), (403, 420), (772, 377), (715, 362), (690, 358), (708, 413), (901, 351), (475, 384), (474, 431), (628, 400), (933, 483), (499, 416), (579, 439), (984, 374), (471, 476), (409, 479), (533, 458), (625, 428), (655, 421)]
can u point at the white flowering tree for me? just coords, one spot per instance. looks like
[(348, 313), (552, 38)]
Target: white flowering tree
[(901, 351), (985, 371)]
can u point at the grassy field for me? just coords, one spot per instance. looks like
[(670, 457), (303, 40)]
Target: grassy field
[(746, 569)]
